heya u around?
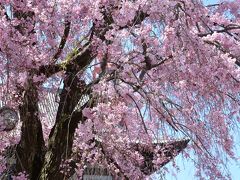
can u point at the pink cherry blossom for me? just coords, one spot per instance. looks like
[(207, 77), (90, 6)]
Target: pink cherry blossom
[(97, 82)]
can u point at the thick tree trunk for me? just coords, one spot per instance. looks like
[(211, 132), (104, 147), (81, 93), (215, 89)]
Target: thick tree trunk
[(62, 134), (61, 137), (60, 147), (30, 150)]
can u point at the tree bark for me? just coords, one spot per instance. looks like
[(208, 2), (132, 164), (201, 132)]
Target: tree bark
[(30, 150), (62, 135)]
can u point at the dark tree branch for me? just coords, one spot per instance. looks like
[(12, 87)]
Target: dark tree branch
[(218, 46), (214, 5), (225, 29), (138, 19), (63, 40), (77, 61)]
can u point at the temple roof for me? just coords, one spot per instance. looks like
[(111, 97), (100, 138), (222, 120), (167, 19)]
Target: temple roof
[(167, 151)]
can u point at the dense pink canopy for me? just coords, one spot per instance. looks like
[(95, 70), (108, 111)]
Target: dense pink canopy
[(145, 70)]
